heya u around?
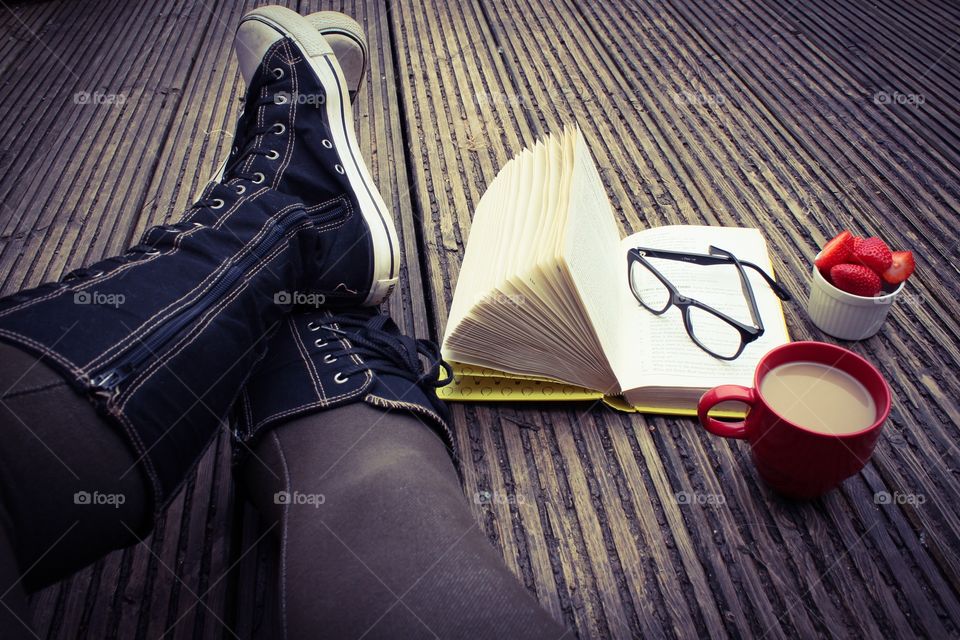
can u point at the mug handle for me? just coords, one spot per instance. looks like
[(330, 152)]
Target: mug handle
[(720, 394)]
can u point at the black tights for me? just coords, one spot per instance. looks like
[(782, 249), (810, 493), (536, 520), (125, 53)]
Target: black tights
[(374, 533)]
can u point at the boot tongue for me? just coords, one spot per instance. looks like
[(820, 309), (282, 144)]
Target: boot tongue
[(253, 40)]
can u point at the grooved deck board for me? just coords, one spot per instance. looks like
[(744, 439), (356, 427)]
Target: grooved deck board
[(745, 113), (780, 114)]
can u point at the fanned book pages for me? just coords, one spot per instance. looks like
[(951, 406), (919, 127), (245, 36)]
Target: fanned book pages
[(544, 308)]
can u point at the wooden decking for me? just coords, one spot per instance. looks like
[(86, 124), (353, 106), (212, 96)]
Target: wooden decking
[(796, 116)]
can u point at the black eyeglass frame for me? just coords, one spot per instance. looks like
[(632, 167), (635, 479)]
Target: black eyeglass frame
[(748, 333)]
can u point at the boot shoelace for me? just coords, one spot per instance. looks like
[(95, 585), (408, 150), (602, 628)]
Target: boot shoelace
[(140, 250), (382, 350), (247, 147)]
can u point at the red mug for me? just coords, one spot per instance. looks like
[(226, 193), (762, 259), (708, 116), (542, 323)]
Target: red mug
[(795, 461)]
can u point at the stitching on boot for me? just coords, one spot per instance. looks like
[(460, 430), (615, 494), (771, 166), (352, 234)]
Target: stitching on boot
[(46, 352), (323, 204), (308, 363), (341, 221), (207, 318), (175, 307), (401, 404), (417, 410), (326, 403), (143, 458), (126, 267)]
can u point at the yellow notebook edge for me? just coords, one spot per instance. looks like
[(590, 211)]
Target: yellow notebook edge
[(488, 385)]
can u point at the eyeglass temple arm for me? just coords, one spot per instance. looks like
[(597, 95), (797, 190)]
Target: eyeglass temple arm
[(744, 284), (705, 259)]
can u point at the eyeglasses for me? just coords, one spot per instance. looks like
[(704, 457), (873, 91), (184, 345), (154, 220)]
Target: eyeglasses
[(713, 331)]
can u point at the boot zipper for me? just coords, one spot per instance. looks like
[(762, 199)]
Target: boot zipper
[(121, 367)]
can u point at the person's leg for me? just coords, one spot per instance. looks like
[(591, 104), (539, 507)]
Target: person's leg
[(161, 339), (348, 455), (65, 500), (376, 536)]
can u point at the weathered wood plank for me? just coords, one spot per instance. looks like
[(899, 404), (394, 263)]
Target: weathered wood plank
[(732, 165)]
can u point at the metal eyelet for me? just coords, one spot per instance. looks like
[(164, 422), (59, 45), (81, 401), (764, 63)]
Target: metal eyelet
[(258, 178), (326, 143), (320, 344), (273, 155), (329, 359), (153, 252), (278, 73), (241, 189), (313, 326), (339, 169), (278, 128), (95, 274), (339, 378), (197, 225), (280, 99), (218, 204)]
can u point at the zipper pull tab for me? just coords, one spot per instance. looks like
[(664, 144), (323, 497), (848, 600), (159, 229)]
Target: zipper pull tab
[(106, 381)]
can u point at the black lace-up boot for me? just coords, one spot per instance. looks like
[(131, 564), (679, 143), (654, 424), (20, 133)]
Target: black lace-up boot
[(297, 112), (320, 360), (163, 337)]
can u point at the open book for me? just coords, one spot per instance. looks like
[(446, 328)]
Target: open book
[(543, 307)]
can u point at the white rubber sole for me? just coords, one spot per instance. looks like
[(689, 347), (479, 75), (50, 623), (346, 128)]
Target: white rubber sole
[(337, 29), (386, 249)]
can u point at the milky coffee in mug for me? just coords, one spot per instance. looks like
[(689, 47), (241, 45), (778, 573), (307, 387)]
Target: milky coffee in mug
[(814, 415), (819, 397)]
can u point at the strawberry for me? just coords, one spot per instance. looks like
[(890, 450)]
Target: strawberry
[(834, 252), (857, 241), (856, 279), (901, 268), (873, 253)]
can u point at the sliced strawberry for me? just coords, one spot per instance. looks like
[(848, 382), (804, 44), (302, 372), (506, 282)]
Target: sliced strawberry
[(835, 252), (873, 253), (901, 268), (856, 279)]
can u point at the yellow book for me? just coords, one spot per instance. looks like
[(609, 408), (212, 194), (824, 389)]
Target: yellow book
[(545, 308)]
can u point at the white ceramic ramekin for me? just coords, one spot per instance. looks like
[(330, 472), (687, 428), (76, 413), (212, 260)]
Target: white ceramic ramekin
[(844, 315)]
